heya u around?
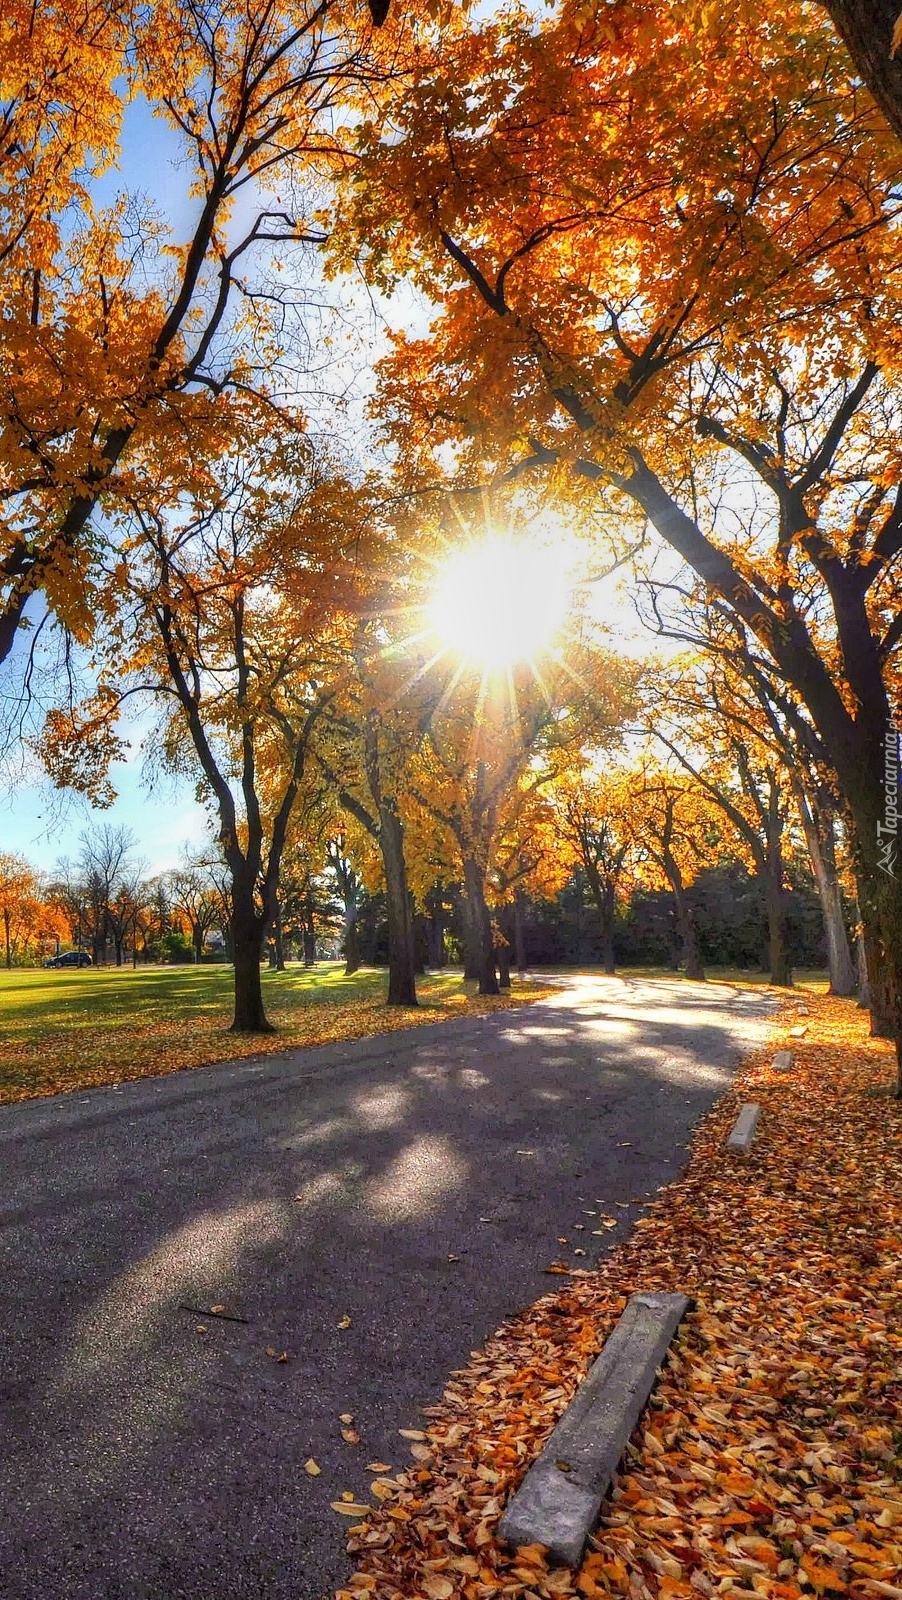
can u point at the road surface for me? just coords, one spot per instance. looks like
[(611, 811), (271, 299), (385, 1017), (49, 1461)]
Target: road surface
[(415, 1184)]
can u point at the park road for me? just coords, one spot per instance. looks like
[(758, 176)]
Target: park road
[(371, 1210)]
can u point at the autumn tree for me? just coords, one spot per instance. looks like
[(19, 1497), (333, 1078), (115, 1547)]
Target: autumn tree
[(681, 831), (118, 336), (368, 740), (26, 916), (193, 899), (595, 816), (349, 886), (710, 301), (229, 615)]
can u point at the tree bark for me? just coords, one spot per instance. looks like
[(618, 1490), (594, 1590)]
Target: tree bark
[(778, 954), (248, 934), (878, 864), (435, 929), (474, 882), (864, 987), (278, 939), (519, 933), (690, 948), (503, 953), (402, 986), (866, 27), (818, 830), (470, 931), (352, 944)]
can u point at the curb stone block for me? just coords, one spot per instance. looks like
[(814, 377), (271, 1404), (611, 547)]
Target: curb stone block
[(783, 1061), (558, 1502), (743, 1130)]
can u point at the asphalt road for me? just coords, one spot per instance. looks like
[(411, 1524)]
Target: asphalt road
[(143, 1459)]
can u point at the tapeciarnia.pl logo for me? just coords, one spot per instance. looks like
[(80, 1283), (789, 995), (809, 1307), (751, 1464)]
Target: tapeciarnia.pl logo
[(888, 829)]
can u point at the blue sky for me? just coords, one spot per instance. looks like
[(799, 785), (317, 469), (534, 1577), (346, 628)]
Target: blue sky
[(35, 820)]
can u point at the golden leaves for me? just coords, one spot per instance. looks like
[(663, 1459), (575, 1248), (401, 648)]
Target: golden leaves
[(764, 1467)]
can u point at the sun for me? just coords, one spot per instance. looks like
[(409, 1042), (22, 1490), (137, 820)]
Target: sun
[(500, 602)]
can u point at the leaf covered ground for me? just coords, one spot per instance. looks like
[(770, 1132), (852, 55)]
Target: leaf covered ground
[(83, 1029), (768, 1463)]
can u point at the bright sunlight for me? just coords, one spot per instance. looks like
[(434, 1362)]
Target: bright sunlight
[(500, 602)]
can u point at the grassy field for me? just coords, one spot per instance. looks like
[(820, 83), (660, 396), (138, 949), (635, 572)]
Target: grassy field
[(69, 1029)]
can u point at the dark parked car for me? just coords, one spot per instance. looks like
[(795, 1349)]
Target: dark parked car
[(72, 958)]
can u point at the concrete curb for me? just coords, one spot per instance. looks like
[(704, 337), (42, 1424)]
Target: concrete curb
[(743, 1129), (783, 1061), (557, 1503)]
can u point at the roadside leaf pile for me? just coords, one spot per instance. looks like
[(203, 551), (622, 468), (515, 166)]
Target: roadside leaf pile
[(768, 1463)]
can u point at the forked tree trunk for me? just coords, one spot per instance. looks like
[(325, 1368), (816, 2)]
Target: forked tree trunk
[(402, 986)]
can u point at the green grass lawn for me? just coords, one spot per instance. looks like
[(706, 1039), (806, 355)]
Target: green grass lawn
[(69, 1028)]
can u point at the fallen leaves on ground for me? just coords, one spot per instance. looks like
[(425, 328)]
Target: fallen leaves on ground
[(767, 1466), (108, 1051)]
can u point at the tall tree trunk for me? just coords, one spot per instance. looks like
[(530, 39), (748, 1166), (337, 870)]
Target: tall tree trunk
[(9, 953), (197, 938), (402, 987), (602, 890), (861, 961), (519, 933), (778, 954), (474, 880), (503, 955), (818, 829), (435, 929), (878, 862), (352, 943), (419, 925), (308, 940), (690, 948), (278, 938), (470, 929), (248, 933)]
